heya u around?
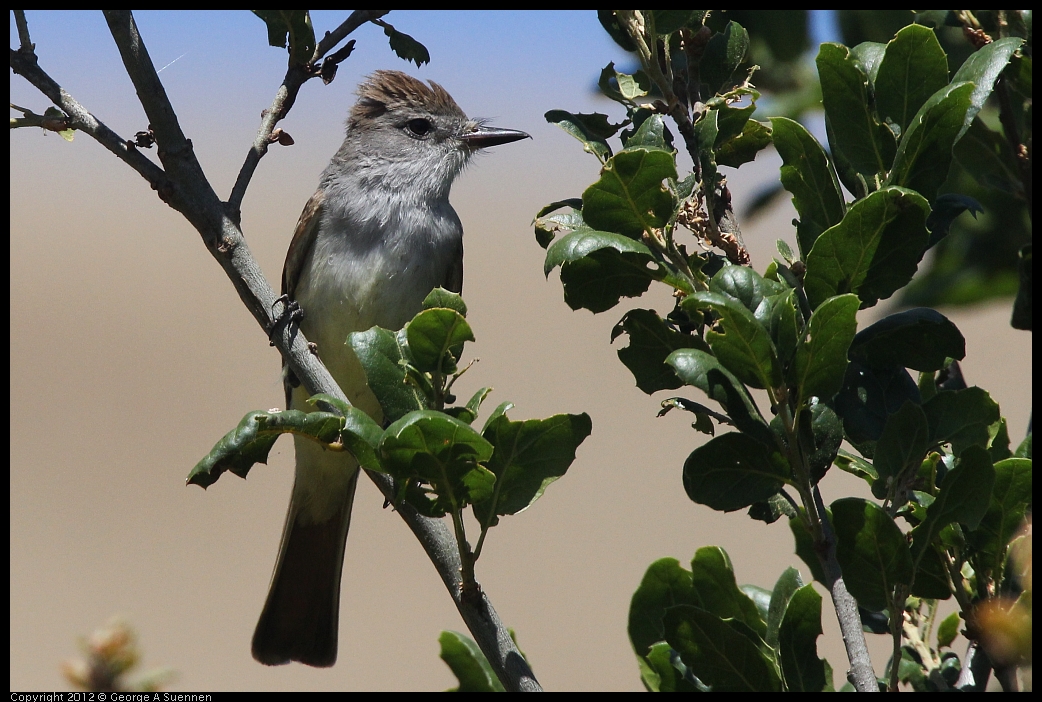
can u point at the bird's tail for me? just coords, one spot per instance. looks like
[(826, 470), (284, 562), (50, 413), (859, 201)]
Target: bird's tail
[(301, 616)]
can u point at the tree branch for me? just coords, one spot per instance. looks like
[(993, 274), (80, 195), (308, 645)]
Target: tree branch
[(861, 674), (23, 31), (184, 186), (23, 63)]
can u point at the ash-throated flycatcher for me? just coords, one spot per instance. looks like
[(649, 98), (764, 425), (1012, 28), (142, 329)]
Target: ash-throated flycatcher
[(372, 242)]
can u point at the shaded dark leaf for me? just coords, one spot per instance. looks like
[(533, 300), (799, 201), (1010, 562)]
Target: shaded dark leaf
[(920, 338), (651, 341), (733, 471)]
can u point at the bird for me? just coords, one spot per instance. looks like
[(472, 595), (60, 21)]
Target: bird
[(372, 242)]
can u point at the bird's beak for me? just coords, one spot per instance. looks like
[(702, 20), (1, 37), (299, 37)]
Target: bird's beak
[(482, 137)]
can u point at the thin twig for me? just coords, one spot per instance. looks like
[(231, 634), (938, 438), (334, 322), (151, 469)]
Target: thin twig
[(353, 22), (286, 96)]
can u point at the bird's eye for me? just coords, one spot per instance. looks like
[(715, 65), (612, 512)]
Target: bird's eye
[(419, 127)]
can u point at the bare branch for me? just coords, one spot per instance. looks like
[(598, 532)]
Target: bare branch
[(284, 99)]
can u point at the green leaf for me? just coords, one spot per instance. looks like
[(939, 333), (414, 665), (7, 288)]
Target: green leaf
[(761, 597), (868, 55), (731, 120), (772, 509), (381, 352), (528, 456), (961, 417), (805, 544), (789, 582), (733, 471), (931, 576), (821, 357), (1010, 498), (706, 131), (360, 434), (857, 138), (983, 68), (665, 584), (856, 466), (913, 68), (406, 48), (947, 630), (747, 287), (718, 652), (252, 439), (740, 342), (873, 252), (911, 671), (598, 268), (592, 130), (651, 341), (704, 371), (871, 550), (868, 397), (650, 135), (630, 197), (964, 497), (584, 242), (903, 443), (919, 338), (468, 664), (723, 55), (715, 589), (807, 173), (627, 88), (741, 149), (499, 411), (985, 155), (668, 21), (784, 328), (610, 22), (925, 152), (663, 671), (475, 401), (294, 26), (798, 643), (946, 209), (442, 451), (469, 412), (827, 432), (440, 297), (436, 338), (548, 227), (998, 446)]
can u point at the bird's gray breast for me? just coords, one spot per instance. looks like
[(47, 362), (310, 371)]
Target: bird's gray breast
[(381, 255)]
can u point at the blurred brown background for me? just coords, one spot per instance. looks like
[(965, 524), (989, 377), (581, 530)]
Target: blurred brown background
[(131, 355)]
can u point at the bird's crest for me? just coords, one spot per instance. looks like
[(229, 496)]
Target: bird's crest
[(385, 91)]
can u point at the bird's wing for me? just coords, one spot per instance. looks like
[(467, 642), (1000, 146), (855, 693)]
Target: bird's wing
[(299, 250), (454, 276), (303, 241)]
